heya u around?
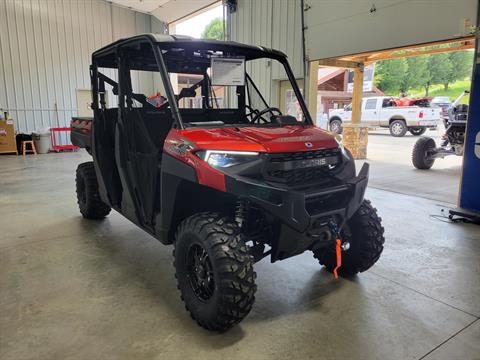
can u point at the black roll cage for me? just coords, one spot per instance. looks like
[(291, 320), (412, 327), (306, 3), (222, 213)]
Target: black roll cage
[(110, 57)]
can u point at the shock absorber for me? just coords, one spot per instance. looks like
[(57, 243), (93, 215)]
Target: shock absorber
[(241, 213)]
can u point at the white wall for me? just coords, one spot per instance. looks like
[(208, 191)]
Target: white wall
[(45, 51), (343, 27)]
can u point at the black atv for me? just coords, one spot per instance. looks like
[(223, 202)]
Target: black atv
[(425, 151), (217, 171)]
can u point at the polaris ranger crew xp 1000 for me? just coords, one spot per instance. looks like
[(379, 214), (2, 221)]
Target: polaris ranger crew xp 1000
[(214, 168)]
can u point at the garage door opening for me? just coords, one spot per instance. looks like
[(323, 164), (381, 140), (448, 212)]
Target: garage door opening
[(207, 23), (399, 96)]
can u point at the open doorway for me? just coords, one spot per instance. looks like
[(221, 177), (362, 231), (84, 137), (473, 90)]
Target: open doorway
[(407, 94), (207, 23)]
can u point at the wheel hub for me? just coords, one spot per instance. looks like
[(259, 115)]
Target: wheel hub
[(397, 128), (200, 272)]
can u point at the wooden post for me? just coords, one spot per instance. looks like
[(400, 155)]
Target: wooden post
[(355, 135), (312, 89), (357, 94)]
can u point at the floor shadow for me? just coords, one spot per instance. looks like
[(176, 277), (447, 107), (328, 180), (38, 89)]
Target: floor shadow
[(284, 289), (148, 264)]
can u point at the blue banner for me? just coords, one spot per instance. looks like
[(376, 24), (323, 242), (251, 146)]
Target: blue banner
[(470, 184)]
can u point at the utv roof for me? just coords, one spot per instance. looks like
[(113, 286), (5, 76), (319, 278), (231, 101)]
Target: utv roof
[(181, 41)]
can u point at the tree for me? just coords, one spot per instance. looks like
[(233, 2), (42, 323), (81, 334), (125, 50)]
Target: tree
[(400, 75), (390, 75), (214, 30), (439, 68), (462, 63), (417, 72)]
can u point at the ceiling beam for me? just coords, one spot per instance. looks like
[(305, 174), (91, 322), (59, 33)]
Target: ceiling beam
[(390, 56), (339, 63), (465, 39)]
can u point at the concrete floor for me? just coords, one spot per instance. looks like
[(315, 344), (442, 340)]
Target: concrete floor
[(77, 289), (391, 168)]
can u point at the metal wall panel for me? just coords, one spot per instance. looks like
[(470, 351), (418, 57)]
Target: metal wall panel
[(274, 24), (45, 49)]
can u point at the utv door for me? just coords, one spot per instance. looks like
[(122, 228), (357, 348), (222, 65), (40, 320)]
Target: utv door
[(103, 133), (140, 134)]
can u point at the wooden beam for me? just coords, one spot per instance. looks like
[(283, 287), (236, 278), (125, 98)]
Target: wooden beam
[(357, 94), (312, 89), (338, 63), (374, 58), (355, 57)]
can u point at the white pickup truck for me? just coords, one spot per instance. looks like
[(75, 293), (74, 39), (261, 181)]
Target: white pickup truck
[(381, 111)]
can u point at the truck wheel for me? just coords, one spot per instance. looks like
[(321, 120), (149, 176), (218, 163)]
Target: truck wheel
[(398, 128), (420, 156), (364, 232), (88, 199), (417, 131), (214, 271), (336, 126)]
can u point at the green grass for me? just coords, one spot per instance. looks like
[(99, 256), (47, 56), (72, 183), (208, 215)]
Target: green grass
[(454, 90)]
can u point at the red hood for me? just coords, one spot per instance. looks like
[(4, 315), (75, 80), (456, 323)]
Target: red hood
[(261, 139)]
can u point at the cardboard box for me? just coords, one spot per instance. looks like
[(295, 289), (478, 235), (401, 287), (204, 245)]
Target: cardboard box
[(7, 137)]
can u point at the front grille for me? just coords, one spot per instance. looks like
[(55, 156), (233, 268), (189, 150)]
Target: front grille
[(303, 155), (283, 167), (299, 175)]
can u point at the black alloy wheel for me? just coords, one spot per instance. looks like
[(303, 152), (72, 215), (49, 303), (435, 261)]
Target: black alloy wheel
[(200, 272)]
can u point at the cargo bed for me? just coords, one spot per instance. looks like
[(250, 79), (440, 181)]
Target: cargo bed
[(81, 132)]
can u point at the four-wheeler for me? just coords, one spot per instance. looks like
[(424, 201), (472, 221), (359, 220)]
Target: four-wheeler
[(383, 112), (426, 151), (217, 171)]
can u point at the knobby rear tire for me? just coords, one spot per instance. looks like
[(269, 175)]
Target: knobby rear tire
[(88, 198)]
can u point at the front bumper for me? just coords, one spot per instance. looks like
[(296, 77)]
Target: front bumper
[(300, 216)]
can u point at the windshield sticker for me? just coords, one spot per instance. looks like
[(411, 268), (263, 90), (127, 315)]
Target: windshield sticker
[(228, 71)]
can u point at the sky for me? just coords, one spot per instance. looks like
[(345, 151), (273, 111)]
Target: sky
[(195, 25)]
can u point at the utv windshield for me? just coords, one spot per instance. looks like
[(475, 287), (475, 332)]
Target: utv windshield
[(219, 85), (229, 88)]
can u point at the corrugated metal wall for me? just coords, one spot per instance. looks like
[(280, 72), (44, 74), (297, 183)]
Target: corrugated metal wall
[(45, 49), (274, 24)]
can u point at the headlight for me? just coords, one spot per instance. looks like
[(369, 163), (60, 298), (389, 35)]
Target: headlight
[(225, 159), (344, 151)]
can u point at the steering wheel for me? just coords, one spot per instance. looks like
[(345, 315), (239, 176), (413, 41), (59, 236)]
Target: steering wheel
[(259, 114), (252, 110)]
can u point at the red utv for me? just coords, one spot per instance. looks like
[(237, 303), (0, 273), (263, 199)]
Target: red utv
[(217, 170)]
